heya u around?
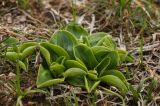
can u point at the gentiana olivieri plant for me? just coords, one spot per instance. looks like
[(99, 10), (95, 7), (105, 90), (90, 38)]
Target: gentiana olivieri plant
[(75, 57)]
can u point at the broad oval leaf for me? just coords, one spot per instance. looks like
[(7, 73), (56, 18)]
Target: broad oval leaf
[(114, 81), (43, 75), (108, 42), (45, 54), (26, 45), (117, 74), (22, 65), (95, 37), (10, 49), (13, 56), (125, 56), (102, 66), (77, 30), (45, 79), (74, 72), (57, 50), (100, 52), (65, 40), (114, 60), (75, 64), (92, 74), (61, 59), (57, 68), (51, 82), (75, 77), (28, 51), (76, 81), (86, 41), (86, 55)]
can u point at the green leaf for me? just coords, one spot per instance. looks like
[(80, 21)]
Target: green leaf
[(22, 65), (45, 79), (115, 81), (76, 81), (92, 74), (74, 72), (26, 45), (55, 50), (61, 59), (65, 40), (57, 68), (86, 55), (94, 85), (77, 30), (100, 52), (10, 49), (90, 85), (87, 84), (28, 51), (43, 75), (45, 54), (25, 61), (125, 56), (95, 37), (122, 4), (10, 41), (75, 76), (108, 42), (102, 66), (75, 64), (13, 56), (117, 74), (51, 82), (86, 41), (114, 60)]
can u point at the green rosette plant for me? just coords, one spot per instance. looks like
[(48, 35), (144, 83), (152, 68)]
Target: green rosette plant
[(75, 57)]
